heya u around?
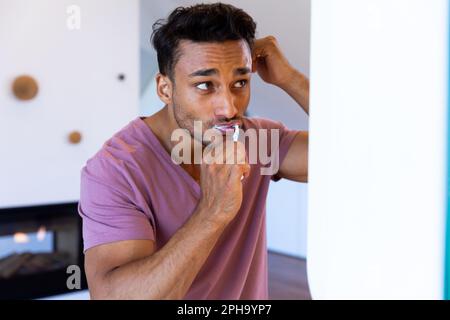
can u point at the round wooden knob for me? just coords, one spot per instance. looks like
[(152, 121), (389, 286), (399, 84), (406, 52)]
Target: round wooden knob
[(25, 87), (75, 137)]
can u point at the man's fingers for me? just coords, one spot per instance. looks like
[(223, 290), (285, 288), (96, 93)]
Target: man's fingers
[(239, 171), (232, 161), (246, 170)]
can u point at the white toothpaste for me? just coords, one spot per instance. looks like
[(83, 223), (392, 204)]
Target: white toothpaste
[(236, 133)]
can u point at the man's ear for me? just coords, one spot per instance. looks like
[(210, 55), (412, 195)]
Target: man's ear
[(164, 88)]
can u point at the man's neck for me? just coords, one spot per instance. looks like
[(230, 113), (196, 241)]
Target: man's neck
[(162, 124)]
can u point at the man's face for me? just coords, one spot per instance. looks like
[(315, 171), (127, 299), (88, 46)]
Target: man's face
[(211, 83)]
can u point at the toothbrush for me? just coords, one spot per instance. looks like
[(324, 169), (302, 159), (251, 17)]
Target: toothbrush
[(236, 138), (236, 133)]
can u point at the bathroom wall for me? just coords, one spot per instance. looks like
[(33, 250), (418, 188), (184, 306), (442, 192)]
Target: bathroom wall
[(76, 51)]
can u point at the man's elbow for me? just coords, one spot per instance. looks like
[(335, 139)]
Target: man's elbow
[(101, 290)]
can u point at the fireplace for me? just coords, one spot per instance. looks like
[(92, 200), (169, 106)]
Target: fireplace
[(37, 246)]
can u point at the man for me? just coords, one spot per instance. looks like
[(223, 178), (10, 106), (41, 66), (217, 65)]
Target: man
[(154, 229)]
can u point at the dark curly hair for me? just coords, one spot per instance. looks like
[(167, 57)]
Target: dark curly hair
[(216, 22)]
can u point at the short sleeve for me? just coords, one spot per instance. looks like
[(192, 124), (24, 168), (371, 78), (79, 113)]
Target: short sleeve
[(108, 209), (286, 137)]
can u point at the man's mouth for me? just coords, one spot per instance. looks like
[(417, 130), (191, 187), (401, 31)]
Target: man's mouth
[(227, 127)]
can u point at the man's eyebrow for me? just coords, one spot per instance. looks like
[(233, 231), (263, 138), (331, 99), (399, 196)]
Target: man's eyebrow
[(242, 71), (204, 73), (210, 72)]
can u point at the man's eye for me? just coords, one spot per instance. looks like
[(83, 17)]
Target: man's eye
[(240, 84), (203, 86)]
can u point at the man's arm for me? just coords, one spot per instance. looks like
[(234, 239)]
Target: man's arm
[(295, 164), (135, 270), (297, 86), (273, 67)]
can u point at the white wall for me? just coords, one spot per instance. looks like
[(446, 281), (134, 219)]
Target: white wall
[(78, 90), (377, 149), (290, 23)]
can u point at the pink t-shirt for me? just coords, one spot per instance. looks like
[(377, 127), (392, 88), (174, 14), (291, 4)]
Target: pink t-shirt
[(131, 189)]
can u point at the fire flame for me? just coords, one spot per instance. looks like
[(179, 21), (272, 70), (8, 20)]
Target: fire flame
[(20, 237), (41, 233)]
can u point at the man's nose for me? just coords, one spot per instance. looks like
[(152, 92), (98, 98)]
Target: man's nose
[(225, 107)]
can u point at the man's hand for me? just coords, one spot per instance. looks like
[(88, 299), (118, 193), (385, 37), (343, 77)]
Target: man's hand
[(273, 67), (270, 63), (220, 181)]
